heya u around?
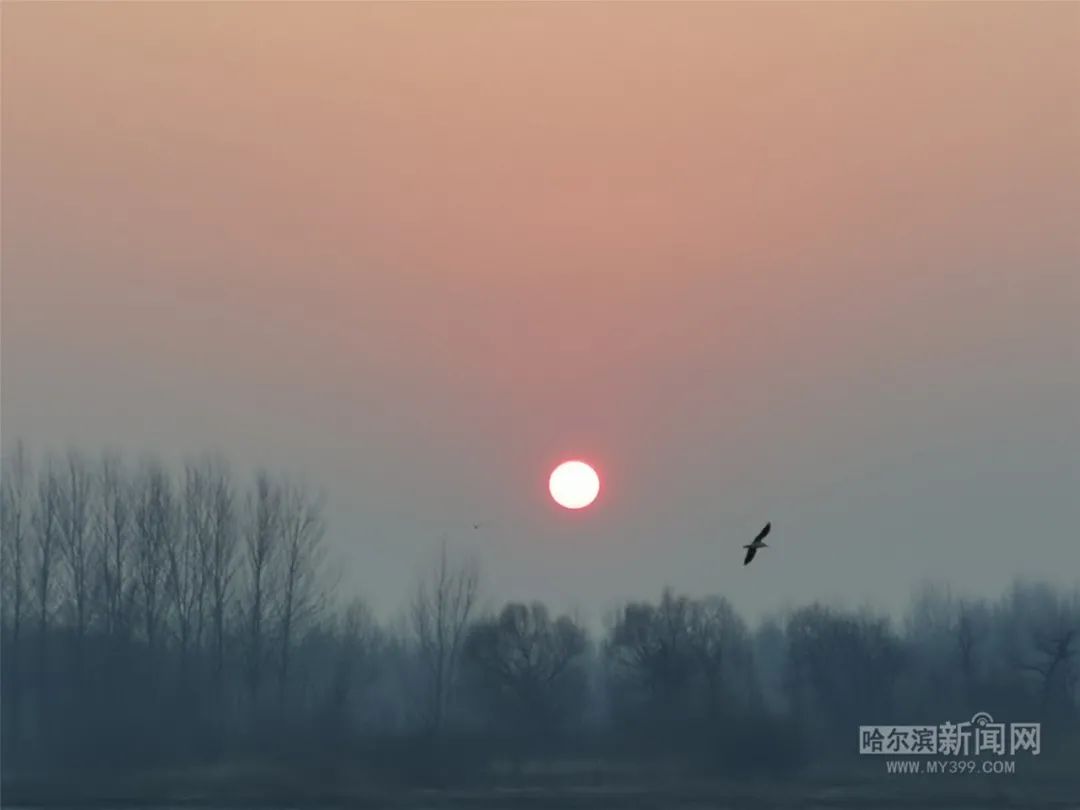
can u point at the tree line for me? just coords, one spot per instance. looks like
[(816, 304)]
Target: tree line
[(157, 616)]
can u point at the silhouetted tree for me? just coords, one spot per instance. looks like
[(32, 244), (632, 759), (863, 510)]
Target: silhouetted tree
[(46, 535), (842, 668), (115, 528), (302, 532), (262, 537), (527, 667), (650, 650), (76, 545), (155, 523), (1049, 627), (14, 558), (218, 554), (441, 607)]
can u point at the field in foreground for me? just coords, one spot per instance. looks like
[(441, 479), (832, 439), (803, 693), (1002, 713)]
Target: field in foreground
[(893, 792)]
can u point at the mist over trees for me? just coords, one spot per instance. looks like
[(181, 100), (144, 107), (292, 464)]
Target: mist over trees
[(172, 617)]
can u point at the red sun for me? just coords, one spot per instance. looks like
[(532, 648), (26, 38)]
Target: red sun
[(574, 484)]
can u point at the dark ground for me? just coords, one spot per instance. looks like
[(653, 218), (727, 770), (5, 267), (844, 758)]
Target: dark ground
[(217, 790)]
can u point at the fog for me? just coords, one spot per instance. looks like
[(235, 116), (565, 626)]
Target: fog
[(186, 621)]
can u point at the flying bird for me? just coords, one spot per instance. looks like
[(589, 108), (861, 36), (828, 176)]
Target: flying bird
[(751, 549)]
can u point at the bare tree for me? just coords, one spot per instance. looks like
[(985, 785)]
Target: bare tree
[(184, 550), (720, 644), (526, 662), (218, 554), (46, 524), (14, 526), (76, 538), (115, 529), (970, 630), (155, 523), (1054, 653), (442, 604), (47, 537), (844, 665), (353, 666), (932, 634), (1042, 630), (302, 532), (261, 544), (650, 646), (1053, 631)]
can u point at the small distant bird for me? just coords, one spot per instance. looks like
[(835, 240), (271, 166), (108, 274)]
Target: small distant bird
[(751, 549)]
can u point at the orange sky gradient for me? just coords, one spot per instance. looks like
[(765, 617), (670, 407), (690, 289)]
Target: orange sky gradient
[(811, 262)]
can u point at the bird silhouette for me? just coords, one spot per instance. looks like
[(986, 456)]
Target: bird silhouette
[(752, 548)]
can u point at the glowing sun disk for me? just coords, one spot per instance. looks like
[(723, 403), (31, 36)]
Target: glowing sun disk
[(574, 484)]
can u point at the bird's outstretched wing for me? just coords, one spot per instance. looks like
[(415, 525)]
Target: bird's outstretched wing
[(750, 552), (764, 532)]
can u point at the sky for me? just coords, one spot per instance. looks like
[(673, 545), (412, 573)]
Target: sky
[(811, 263)]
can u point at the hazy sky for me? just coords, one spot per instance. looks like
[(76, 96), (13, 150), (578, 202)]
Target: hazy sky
[(815, 263)]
